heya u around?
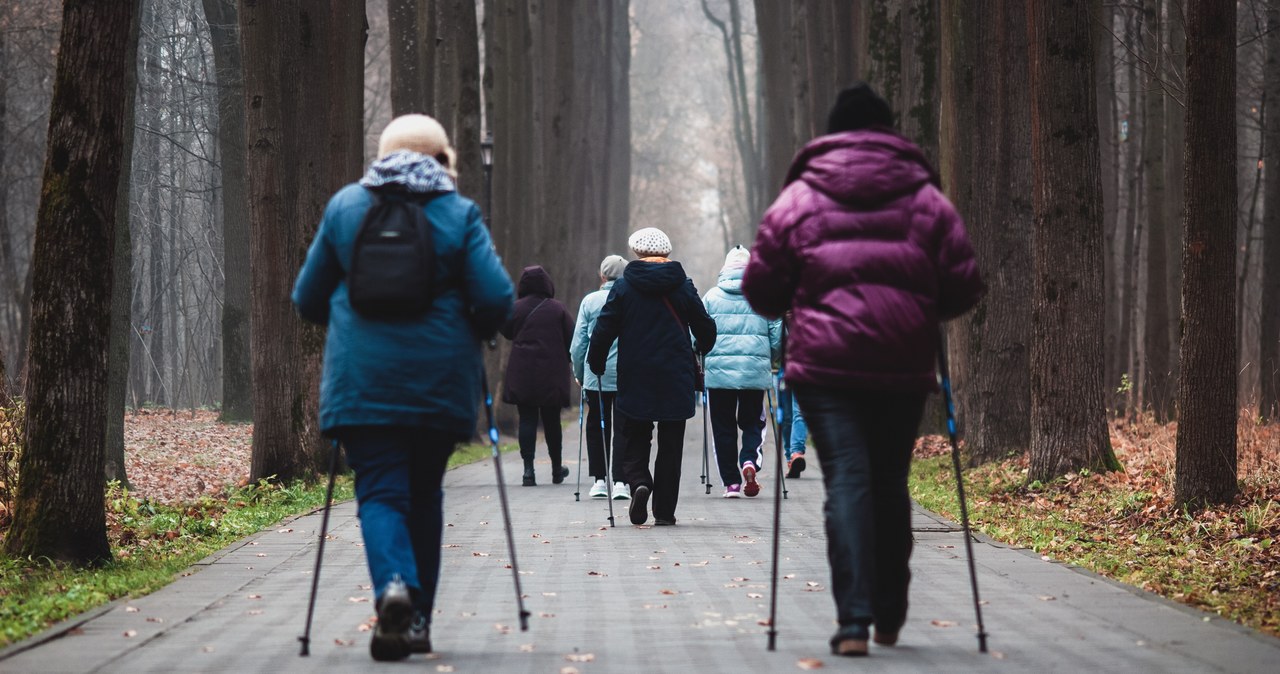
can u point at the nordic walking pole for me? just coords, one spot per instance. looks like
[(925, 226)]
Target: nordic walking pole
[(775, 417), (315, 575), (577, 487), (706, 466), (502, 496), (604, 439), (778, 489), (964, 510)]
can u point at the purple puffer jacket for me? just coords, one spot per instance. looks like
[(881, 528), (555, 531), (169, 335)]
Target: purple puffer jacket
[(869, 256)]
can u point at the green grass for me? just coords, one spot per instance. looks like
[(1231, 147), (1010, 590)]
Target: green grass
[(152, 543)]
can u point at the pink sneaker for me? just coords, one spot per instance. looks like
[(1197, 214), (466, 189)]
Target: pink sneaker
[(751, 488), (733, 491)]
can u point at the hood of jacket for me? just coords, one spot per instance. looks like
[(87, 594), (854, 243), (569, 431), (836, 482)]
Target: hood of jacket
[(730, 280), (410, 171), (862, 168), (654, 278), (535, 280)]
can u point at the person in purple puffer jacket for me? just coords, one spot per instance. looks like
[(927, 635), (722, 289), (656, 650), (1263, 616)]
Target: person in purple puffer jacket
[(870, 257)]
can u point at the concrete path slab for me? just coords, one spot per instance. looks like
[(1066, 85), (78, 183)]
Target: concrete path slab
[(689, 598)]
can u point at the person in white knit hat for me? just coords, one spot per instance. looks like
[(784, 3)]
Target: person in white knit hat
[(650, 313)]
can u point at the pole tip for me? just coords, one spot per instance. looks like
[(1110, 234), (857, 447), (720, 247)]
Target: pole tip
[(306, 651)]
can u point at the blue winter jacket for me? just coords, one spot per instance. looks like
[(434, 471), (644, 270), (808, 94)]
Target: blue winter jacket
[(747, 343), (588, 312), (421, 372)]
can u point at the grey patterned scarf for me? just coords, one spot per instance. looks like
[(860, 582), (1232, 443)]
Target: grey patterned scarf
[(412, 171)]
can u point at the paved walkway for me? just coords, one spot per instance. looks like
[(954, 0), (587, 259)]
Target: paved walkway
[(682, 599)]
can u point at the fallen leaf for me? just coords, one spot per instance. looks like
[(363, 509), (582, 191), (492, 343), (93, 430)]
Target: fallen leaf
[(502, 629), (479, 554), (669, 592), (364, 627), (764, 622), (942, 623), (256, 611), (131, 609), (155, 620), (741, 579), (285, 531), (444, 668), (343, 642), (547, 615), (809, 663), (654, 568), (255, 596), (702, 563), (1046, 597), (754, 595), (580, 657), (999, 655), (596, 573), (207, 649), (548, 594), (569, 670), (262, 554), (358, 600), (451, 545), (129, 634), (526, 648)]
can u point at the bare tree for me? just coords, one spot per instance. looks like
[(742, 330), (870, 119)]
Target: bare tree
[(1269, 335), (986, 168), (412, 46), (1158, 394), (1068, 422), (60, 508), (1206, 450)]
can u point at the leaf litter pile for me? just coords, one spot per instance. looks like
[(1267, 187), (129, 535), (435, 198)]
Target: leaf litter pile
[(1125, 525), (177, 456)]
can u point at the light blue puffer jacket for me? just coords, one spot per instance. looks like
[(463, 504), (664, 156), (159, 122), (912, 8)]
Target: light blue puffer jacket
[(588, 312), (746, 342)]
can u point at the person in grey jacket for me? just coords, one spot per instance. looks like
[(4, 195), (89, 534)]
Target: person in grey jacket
[(601, 391), (738, 371)]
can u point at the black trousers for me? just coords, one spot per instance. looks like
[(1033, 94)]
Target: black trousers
[(665, 478), (601, 441), (864, 441), (732, 410), (550, 416)]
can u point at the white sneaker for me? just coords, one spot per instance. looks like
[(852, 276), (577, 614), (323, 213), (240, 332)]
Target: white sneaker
[(621, 492), (599, 490)]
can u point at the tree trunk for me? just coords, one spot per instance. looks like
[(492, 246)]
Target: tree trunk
[(411, 45), (1206, 450), (1068, 422), (237, 379), (457, 88), (987, 171), (779, 144), (1269, 337), (122, 284), (303, 114), (60, 511), (1127, 262), (1159, 395), (1109, 144), (1175, 200)]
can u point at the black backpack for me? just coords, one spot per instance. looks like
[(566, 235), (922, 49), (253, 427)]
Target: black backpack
[(393, 261)]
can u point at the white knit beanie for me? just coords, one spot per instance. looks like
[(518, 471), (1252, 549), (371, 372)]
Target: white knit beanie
[(738, 256), (421, 134), (650, 242)]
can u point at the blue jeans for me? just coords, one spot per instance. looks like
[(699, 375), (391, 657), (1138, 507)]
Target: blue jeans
[(864, 441), (799, 432), (399, 471)]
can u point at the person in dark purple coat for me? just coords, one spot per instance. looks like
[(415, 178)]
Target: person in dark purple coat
[(537, 382), (870, 257)]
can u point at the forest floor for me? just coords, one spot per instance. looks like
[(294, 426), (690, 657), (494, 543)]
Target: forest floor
[(1124, 524)]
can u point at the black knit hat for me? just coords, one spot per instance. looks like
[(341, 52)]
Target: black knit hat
[(859, 107)]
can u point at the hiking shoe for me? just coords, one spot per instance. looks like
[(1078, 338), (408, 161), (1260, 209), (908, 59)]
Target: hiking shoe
[(395, 613), (733, 491), (621, 492), (885, 638), (530, 480), (849, 647), (751, 487), (795, 466), (663, 522), (558, 474), (599, 490), (639, 509), (419, 635)]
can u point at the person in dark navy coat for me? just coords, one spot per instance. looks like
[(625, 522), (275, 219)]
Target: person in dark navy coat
[(651, 312)]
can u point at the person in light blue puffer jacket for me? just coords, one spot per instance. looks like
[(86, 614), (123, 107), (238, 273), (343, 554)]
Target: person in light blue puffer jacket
[(601, 391), (738, 371)]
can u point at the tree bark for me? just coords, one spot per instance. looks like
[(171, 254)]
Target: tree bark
[(1068, 422), (303, 113), (237, 370), (1158, 395), (777, 51), (411, 47), (1175, 204), (1269, 335), (1109, 144), (457, 87), (986, 169), (1206, 450), (122, 284), (60, 507)]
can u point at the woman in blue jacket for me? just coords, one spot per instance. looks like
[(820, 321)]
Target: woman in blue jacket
[(401, 394), (600, 391), (739, 370)]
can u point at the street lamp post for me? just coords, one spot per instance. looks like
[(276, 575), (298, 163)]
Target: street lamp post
[(486, 158)]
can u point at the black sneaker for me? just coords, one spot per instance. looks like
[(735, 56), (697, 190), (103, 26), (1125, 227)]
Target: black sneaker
[(559, 474), (664, 522), (419, 634), (395, 613), (640, 505), (529, 479)]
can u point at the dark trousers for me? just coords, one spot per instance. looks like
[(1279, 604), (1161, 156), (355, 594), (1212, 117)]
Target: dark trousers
[(665, 478), (864, 442), (550, 416), (601, 441), (399, 471), (732, 410)]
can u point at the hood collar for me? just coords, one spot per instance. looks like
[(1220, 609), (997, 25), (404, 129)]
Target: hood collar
[(865, 167), (411, 171), (535, 280)]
